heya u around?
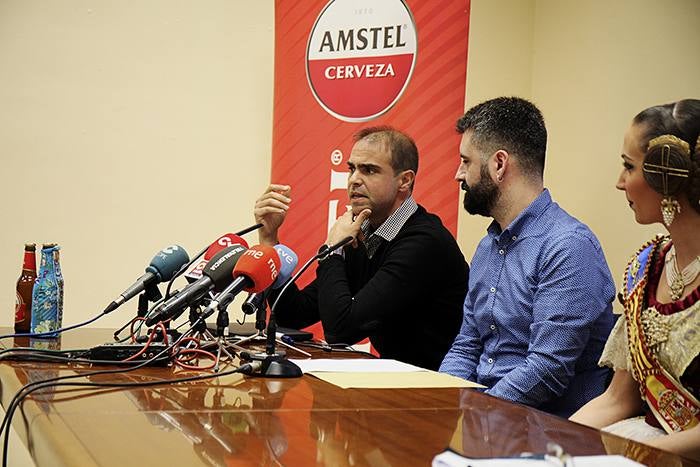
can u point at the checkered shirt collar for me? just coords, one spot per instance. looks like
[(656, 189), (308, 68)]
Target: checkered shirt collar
[(390, 227)]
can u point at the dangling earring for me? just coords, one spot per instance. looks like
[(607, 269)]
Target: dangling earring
[(669, 208), (673, 174)]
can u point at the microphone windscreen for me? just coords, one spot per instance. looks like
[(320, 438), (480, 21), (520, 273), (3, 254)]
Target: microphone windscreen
[(222, 242), (260, 264), (167, 262), (196, 272), (220, 267), (288, 262)]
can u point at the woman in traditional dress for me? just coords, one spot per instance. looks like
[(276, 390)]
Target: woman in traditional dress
[(654, 348)]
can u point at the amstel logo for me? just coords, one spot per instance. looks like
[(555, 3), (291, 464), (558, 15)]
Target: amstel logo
[(360, 57)]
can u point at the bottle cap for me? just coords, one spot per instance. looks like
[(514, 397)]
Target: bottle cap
[(30, 246)]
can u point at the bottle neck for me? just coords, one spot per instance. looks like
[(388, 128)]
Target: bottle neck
[(29, 261)]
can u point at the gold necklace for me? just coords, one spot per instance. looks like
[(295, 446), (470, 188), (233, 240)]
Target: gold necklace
[(678, 281)]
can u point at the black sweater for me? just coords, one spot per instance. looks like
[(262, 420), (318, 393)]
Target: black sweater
[(408, 298)]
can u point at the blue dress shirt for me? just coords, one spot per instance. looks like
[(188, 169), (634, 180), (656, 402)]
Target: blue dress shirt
[(537, 313)]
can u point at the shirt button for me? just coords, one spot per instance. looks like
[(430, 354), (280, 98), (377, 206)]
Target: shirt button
[(500, 252), (490, 360), (515, 237), (493, 289), (493, 326)]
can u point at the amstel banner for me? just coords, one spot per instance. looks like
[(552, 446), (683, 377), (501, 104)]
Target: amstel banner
[(343, 65)]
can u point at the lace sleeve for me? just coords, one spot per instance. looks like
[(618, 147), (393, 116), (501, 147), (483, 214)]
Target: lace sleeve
[(616, 354)]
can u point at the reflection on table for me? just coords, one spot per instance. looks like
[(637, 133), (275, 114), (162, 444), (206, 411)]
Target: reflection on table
[(244, 421)]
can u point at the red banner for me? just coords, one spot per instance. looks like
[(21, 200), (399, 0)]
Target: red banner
[(346, 64)]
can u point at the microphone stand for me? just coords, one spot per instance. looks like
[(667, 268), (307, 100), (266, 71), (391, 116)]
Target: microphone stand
[(220, 340), (260, 325), (149, 294), (275, 363)]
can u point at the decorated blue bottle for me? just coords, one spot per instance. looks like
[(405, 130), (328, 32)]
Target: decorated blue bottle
[(47, 296)]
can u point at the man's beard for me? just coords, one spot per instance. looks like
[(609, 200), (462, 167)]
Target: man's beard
[(481, 198)]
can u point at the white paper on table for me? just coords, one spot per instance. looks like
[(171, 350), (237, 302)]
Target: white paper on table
[(452, 459)]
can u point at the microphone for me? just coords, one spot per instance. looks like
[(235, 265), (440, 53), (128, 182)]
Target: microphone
[(222, 242), (215, 275), (233, 238), (326, 250), (162, 268), (255, 271), (253, 303), (288, 261), (275, 364)]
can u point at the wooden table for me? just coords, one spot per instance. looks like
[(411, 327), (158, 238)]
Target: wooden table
[(237, 420)]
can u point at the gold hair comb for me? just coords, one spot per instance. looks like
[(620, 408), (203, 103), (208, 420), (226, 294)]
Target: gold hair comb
[(671, 141)]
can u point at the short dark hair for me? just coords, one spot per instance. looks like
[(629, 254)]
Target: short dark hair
[(509, 123), (682, 120), (404, 153)]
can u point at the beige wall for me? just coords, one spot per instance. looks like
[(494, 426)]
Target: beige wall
[(127, 126), (597, 64), (499, 63), (590, 66)]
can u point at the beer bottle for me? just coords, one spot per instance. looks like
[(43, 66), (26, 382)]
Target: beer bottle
[(25, 285), (59, 281), (47, 300)]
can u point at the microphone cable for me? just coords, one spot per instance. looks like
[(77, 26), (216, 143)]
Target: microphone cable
[(53, 382), (30, 387), (84, 356), (326, 347), (6, 353), (321, 254), (138, 330), (246, 368), (324, 251), (57, 331)]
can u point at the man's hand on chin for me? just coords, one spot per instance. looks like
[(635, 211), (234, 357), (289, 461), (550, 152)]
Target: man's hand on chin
[(347, 225)]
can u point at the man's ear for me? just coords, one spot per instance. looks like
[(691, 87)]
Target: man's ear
[(406, 179), (501, 160)]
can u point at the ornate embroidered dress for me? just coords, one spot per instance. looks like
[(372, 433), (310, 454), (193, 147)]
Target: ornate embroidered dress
[(658, 343)]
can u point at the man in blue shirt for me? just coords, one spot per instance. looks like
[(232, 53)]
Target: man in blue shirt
[(538, 310)]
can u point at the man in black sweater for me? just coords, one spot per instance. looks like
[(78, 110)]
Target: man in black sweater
[(403, 280)]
